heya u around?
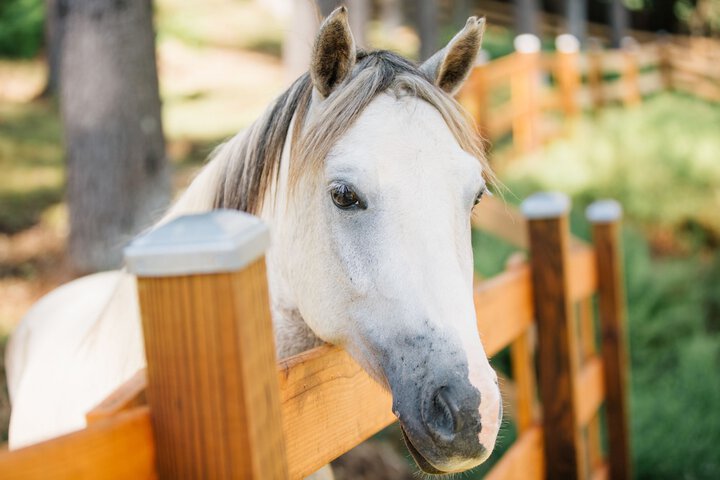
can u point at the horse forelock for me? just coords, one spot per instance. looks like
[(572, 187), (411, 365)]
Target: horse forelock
[(251, 160)]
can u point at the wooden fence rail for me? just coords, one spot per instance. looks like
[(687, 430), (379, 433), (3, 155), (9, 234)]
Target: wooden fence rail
[(529, 95), (214, 403)]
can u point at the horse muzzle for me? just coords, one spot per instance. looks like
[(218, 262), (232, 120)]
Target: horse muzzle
[(442, 426)]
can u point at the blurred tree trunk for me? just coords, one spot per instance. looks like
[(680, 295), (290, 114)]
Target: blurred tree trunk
[(391, 15), (117, 180), (427, 21), (460, 13), (526, 16), (619, 21), (576, 15), (299, 37), (55, 11)]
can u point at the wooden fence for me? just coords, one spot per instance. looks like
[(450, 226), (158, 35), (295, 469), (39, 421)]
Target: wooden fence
[(214, 403), (528, 96)]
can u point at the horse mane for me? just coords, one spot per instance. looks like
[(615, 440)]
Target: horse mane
[(246, 166)]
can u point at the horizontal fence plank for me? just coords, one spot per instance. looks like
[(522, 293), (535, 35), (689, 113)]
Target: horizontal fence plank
[(498, 218), (582, 272), (523, 461), (329, 405), (650, 82), (504, 307), (589, 391), (111, 449), (501, 70)]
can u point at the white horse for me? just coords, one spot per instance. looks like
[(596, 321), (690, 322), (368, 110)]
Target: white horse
[(367, 172)]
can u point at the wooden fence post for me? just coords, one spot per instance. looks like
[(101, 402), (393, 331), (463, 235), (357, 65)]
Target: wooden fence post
[(557, 360), (525, 94), (475, 95), (567, 73), (212, 373), (631, 73), (595, 73), (664, 44), (605, 217)]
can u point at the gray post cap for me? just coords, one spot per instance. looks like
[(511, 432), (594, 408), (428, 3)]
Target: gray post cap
[(545, 205), (213, 242), (527, 43), (604, 211)]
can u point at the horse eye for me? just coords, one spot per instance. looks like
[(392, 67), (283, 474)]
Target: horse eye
[(344, 197), (479, 196)]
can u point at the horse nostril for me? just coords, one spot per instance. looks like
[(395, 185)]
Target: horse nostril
[(441, 416)]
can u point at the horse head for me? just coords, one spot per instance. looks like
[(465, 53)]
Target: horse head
[(372, 234)]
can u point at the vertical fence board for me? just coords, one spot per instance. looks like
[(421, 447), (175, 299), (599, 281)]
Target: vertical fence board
[(212, 373), (567, 73), (605, 217), (525, 94), (631, 76), (549, 243), (475, 98)]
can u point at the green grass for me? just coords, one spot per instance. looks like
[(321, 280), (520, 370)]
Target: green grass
[(233, 25), (660, 161), (675, 360), (31, 162)]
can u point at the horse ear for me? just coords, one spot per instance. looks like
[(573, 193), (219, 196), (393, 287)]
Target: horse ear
[(451, 66), (334, 53)]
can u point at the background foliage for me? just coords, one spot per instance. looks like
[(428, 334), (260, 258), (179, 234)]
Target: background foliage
[(660, 162), (21, 28)]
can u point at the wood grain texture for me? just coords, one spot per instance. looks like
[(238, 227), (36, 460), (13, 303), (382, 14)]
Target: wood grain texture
[(549, 249), (611, 302), (523, 369), (212, 380), (504, 307), (329, 405), (523, 461), (111, 449)]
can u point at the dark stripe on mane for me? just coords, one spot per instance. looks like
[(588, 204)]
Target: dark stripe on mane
[(256, 163)]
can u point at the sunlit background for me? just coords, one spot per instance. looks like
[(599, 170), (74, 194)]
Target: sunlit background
[(643, 127)]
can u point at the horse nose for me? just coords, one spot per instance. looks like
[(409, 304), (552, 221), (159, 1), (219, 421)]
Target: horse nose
[(442, 415)]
